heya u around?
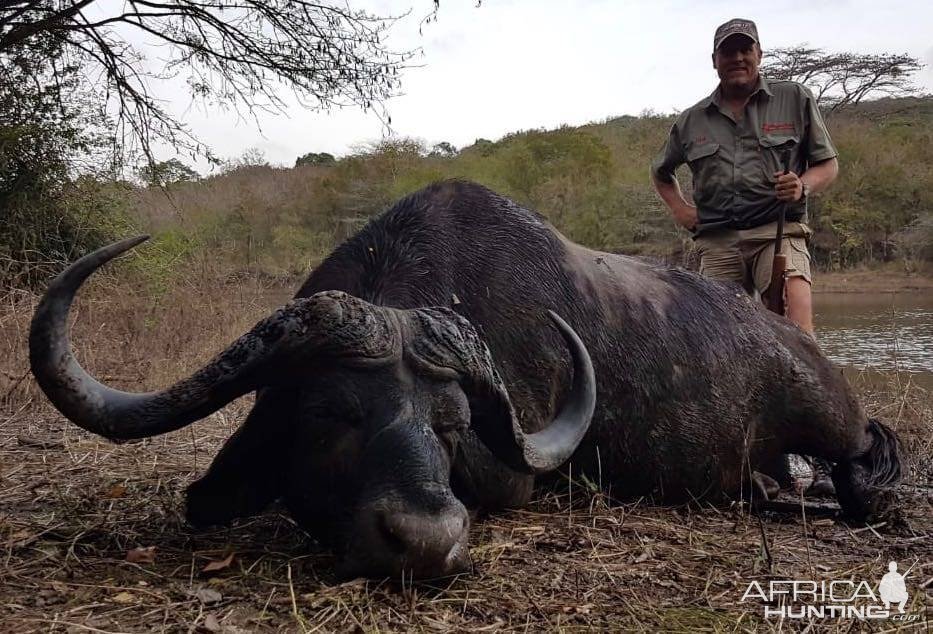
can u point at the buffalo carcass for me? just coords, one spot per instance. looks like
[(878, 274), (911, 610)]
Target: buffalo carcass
[(419, 372)]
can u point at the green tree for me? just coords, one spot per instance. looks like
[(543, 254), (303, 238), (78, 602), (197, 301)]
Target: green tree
[(251, 157), (841, 80), (315, 158), (45, 135), (444, 149), (166, 173)]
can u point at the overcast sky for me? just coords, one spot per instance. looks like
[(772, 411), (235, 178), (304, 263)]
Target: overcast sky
[(519, 64)]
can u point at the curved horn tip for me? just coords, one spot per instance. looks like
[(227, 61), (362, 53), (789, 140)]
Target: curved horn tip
[(139, 239), (558, 320), (128, 243), (571, 336), (107, 253), (545, 450), (74, 275)]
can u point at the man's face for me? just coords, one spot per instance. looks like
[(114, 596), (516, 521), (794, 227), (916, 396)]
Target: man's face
[(736, 61)]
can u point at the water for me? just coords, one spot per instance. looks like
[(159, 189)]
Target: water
[(883, 332)]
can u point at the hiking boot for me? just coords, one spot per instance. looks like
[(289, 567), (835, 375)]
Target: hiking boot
[(801, 473), (811, 475)]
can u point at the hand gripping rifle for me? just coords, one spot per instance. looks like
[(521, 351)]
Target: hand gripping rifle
[(774, 298)]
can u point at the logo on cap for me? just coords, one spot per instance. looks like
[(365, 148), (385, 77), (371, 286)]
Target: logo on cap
[(736, 26)]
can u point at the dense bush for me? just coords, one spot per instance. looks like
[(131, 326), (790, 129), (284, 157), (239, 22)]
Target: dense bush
[(48, 215), (591, 182)]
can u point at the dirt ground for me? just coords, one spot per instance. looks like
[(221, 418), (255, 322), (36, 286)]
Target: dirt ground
[(92, 536), (74, 508)]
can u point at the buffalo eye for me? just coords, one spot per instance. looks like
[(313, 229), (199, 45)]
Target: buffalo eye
[(450, 438), (341, 408), (449, 423)]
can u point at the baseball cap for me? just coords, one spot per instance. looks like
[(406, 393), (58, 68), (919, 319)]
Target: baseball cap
[(735, 26)]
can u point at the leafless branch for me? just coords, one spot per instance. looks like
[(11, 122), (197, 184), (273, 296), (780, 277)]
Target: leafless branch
[(235, 53)]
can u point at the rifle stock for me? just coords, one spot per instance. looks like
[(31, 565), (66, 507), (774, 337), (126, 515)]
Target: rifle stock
[(775, 295), (774, 299)]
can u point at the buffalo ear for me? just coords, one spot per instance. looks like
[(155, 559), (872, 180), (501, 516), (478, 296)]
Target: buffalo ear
[(449, 345), (493, 419), (496, 424)]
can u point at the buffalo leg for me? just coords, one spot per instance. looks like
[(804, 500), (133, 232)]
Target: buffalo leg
[(827, 421), (778, 469), (246, 474)]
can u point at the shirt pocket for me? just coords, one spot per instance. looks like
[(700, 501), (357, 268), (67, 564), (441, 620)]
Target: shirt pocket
[(703, 159), (770, 149)]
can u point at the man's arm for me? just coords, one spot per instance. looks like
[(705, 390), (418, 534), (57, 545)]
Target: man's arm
[(684, 213), (820, 154), (818, 177), (665, 183), (821, 175)]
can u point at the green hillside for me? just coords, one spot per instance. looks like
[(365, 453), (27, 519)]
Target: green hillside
[(590, 181)]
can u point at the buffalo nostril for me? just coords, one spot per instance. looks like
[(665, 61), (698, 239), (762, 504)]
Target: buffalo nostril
[(426, 545), (425, 538), (392, 533)]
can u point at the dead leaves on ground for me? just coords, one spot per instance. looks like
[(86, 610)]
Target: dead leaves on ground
[(142, 555), (116, 491), (219, 564), (208, 596)]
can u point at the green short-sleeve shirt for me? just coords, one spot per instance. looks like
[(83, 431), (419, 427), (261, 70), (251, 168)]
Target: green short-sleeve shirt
[(733, 162)]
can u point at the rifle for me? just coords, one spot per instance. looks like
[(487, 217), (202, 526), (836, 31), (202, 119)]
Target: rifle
[(775, 295), (904, 576)]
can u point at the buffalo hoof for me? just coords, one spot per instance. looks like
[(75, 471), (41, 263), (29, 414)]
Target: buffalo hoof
[(766, 487), (821, 488), (822, 484)]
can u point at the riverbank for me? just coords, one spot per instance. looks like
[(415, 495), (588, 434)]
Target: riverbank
[(872, 281)]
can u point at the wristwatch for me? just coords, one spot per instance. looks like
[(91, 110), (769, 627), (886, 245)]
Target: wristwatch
[(806, 190)]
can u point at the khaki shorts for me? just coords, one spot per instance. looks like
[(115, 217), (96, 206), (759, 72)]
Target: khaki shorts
[(744, 255)]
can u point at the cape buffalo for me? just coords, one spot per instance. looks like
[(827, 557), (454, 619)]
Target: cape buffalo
[(418, 372)]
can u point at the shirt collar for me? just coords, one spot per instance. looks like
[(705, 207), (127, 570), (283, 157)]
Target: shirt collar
[(716, 97)]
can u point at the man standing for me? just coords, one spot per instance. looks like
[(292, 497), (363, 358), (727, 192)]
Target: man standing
[(732, 141)]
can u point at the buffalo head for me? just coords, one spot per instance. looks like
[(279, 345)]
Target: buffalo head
[(360, 414)]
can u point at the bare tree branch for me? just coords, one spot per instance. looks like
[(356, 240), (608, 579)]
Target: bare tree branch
[(233, 53), (841, 80)]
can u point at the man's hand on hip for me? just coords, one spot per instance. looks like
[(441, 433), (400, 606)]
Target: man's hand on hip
[(684, 213), (789, 187), (686, 216)]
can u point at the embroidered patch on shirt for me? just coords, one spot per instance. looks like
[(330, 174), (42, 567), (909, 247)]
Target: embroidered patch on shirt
[(779, 126)]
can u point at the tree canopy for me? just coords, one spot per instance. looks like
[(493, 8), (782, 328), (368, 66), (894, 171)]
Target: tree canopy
[(166, 173), (840, 80), (315, 158)]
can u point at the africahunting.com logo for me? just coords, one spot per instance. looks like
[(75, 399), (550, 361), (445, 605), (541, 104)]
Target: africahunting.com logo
[(837, 599)]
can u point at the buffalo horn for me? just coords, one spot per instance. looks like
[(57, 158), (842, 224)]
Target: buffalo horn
[(329, 321)]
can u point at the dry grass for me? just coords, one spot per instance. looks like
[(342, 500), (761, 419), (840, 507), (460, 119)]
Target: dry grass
[(72, 506)]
